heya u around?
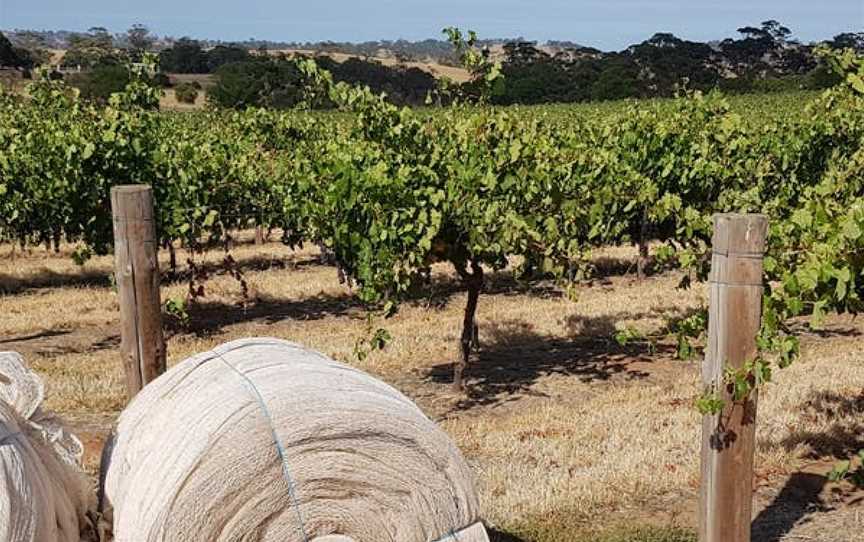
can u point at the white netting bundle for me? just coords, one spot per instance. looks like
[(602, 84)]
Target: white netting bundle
[(195, 456), (44, 495)]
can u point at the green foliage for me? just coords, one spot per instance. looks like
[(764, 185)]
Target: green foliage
[(615, 82), (226, 54), (139, 39), (81, 255), (742, 381), (390, 190), (402, 85), (101, 82), (664, 65), (177, 308), (845, 470), (256, 83), (625, 336), (58, 184), (709, 403), (188, 56), (29, 51), (487, 80), (687, 329), (411, 192), (161, 80), (373, 340), (14, 57), (94, 48), (186, 93), (185, 56)]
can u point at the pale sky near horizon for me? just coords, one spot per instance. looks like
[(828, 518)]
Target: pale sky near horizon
[(609, 24)]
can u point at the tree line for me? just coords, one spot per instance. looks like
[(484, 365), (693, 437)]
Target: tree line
[(95, 64), (245, 78), (764, 58)]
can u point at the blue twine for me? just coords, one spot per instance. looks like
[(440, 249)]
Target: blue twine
[(280, 448)]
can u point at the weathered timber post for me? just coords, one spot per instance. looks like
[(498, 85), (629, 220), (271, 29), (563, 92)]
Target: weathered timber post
[(136, 270), (734, 318)]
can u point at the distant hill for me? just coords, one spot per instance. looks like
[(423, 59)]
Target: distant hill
[(438, 70), (762, 58), (433, 55)]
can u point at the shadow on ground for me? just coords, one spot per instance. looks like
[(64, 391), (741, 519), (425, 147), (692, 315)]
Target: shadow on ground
[(802, 495), (513, 357), (56, 343), (799, 498), (497, 282), (246, 264), (48, 278), (843, 438), (207, 318), (438, 291), (801, 327), (500, 536), (35, 336)]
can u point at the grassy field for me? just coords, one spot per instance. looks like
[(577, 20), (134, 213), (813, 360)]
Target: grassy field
[(572, 437), (169, 101)]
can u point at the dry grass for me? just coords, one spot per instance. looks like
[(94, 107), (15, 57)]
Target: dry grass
[(169, 101), (204, 79), (454, 73), (562, 425)]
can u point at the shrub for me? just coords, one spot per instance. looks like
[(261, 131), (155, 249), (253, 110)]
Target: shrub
[(186, 93), (259, 83), (102, 81), (161, 80)]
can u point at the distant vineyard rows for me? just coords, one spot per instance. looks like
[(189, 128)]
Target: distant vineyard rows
[(391, 190)]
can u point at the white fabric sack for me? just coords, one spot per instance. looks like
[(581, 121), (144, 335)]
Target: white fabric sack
[(44, 495), (194, 457)]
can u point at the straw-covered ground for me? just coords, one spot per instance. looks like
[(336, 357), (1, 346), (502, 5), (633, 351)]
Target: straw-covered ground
[(572, 436)]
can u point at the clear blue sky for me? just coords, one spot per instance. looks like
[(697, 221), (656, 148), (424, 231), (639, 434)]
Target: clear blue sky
[(607, 24)]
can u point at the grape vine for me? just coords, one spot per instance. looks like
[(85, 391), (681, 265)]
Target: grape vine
[(389, 191)]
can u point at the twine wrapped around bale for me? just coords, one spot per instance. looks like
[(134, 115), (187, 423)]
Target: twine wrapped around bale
[(44, 495), (263, 440)]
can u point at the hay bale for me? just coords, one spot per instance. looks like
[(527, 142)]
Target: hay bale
[(196, 456), (44, 495)]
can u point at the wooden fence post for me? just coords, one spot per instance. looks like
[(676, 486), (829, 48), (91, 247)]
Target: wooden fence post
[(728, 438), (136, 270)]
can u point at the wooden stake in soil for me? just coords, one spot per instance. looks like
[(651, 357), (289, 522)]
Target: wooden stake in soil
[(136, 270), (728, 438)]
